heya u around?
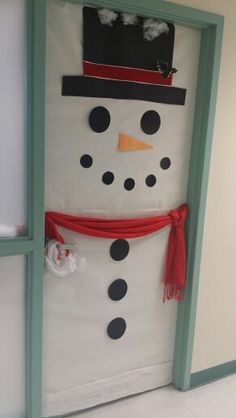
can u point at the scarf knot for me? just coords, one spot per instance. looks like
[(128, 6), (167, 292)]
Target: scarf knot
[(178, 216)]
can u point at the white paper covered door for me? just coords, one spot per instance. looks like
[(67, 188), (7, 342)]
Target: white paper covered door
[(120, 101)]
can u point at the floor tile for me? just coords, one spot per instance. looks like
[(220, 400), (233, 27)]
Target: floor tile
[(159, 403), (198, 396), (227, 385), (112, 410), (183, 414), (215, 400), (222, 407)]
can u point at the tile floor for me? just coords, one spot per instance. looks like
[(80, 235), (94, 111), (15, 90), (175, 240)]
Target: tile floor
[(215, 400)]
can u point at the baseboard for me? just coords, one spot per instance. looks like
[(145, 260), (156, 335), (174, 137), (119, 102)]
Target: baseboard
[(214, 373)]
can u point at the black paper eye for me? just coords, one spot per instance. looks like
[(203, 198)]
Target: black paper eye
[(99, 119), (150, 122)]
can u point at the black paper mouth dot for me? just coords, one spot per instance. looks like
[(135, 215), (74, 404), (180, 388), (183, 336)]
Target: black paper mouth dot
[(150, 122), (151, 180), (116, 328), (99, 119), (129, 184), (117, 289), (119, 249), (108, 177), (165, 163), (86, 161)]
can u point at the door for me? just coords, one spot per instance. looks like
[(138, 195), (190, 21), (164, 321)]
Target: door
[(113, 153)]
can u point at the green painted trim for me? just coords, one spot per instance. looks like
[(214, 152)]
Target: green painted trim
[(35, 111), (197, 194), (214, 373), (35, 261), (163, 9), (15, 246), (34, 314), (29, 117)]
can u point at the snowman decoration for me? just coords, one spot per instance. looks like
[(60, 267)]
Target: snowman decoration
[(112, 153)]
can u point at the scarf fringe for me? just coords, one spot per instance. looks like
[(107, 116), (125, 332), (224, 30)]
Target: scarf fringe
[(173, 292)]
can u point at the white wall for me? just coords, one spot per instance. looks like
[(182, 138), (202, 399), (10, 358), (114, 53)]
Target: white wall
[(215, 335)]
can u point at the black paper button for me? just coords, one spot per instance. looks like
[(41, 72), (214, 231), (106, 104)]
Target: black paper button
[(116, 328), (165, 163), (150, 180), (108, 177), (150, 122), (99, 119), (119, 249), (117, 289), (86, 161), (129, 184)]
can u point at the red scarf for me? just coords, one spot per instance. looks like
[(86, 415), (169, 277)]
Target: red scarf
[(175, 271)]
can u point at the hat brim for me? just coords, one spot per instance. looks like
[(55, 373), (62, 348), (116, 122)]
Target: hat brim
[(115, 89)]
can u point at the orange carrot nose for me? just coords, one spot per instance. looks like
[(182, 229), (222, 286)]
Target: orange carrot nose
[(129, 143)]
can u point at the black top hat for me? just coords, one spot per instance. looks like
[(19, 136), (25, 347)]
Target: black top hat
[(125, 57)]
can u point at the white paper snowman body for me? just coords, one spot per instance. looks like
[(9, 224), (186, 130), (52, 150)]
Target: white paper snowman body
[(86, 175)]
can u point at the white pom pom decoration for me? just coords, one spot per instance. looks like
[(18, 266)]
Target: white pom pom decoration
[(107, 17), (129, 18), (153, 28)]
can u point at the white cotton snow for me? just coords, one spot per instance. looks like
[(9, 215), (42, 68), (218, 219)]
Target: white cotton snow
[(107, 17), (153, 28), (7, 231), (129, 18)]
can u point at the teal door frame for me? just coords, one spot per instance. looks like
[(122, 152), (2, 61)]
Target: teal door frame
[(211, 26)]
